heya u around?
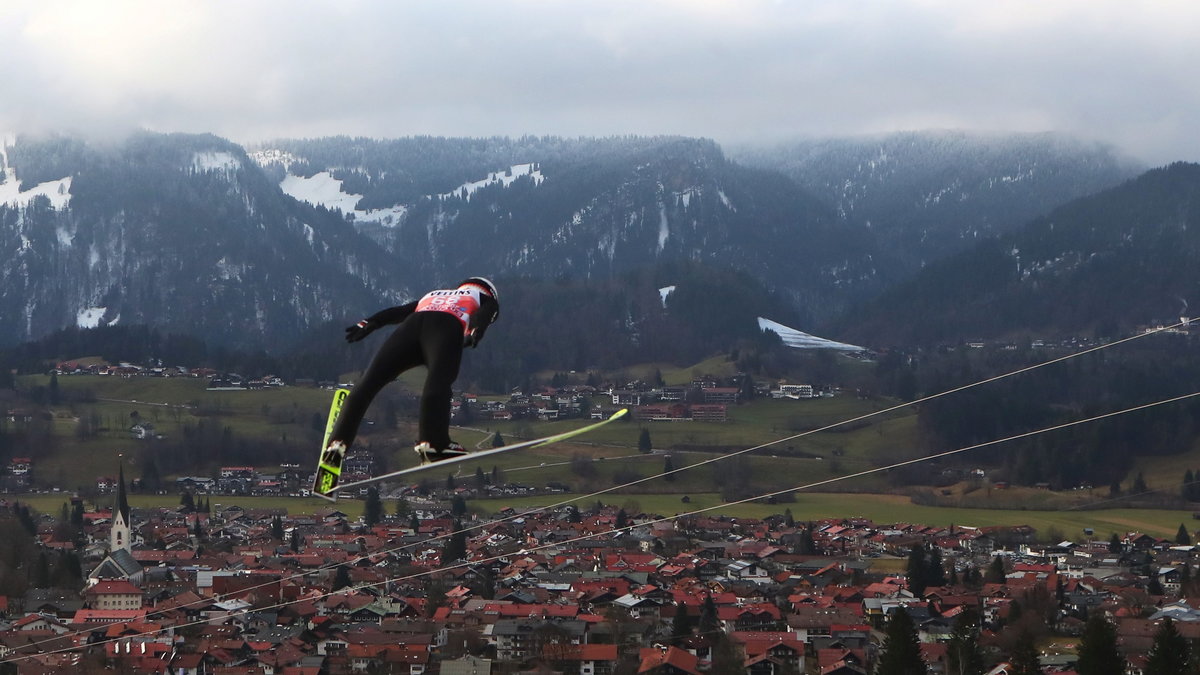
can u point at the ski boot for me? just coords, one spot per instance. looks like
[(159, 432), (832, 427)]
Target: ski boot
[(430, 454), (334, 455)]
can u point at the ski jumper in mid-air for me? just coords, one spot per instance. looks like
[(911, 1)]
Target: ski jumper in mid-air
[(433, 332)]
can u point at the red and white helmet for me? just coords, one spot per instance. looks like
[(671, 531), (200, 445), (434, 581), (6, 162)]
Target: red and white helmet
[(483, 283)]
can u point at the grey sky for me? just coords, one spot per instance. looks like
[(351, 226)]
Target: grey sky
[(1111, 70)]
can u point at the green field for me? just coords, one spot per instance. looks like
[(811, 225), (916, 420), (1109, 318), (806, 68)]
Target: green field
[(786, 454), (882, 509), (887, 509)]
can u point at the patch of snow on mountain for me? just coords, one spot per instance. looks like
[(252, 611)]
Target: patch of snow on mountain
[(664, 293), (725, 200), (323, 189), (215, 161), (90, 317), (664, 231), (801, 340), (65, 238), (57, 191), (505, 178)]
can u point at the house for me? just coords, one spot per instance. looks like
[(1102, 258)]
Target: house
[(518, 640), (743, 570), (724, 395), (709, 412), (585, 659), (783, 649), (668, 661), (113, 594)]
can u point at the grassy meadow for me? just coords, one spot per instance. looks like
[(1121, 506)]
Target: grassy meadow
[(786, 452)]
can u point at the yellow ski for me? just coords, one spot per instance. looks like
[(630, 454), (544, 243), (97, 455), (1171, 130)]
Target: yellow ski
[(329, 462)]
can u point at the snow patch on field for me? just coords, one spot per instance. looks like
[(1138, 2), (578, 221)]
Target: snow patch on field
[(90, 317), (664, 293), (801, 340), (504, 178), (215, 161), (323, 189)]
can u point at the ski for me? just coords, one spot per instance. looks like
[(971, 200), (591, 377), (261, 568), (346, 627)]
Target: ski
[(329, 464), (535, 443)]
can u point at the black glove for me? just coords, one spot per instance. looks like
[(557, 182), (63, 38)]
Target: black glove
[(359, 330), (470, 340)]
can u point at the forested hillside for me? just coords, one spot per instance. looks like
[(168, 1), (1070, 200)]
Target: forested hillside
[(1100, 267), (928, 194)]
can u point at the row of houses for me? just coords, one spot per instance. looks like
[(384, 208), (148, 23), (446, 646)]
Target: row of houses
[(565, 590)]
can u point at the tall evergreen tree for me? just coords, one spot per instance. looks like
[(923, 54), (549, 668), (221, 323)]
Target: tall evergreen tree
[(917, 570), (995, 572), (1170, 653), (668, 469), (456, 547), (710, 623), (901, 652), (341, 578), (1098, 653), (644, 445), (1182, 537), (681, 624), (727, 657), (372, 508), (936, 574), (962, 653), (1024, 655), (1139, 484)]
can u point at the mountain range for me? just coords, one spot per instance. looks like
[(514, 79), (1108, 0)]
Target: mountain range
[(259, 246)]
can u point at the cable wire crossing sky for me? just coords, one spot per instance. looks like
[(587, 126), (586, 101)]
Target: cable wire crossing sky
[(745, 71)]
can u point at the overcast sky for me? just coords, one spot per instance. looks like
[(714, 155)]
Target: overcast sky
[(1117, 71)]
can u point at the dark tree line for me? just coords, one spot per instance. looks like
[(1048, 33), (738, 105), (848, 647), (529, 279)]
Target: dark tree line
[(1096, 453)]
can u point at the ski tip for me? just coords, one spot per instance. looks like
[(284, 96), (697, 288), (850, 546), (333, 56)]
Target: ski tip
[(619, 413)]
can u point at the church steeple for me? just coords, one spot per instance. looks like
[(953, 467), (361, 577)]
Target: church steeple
[(118, 536)]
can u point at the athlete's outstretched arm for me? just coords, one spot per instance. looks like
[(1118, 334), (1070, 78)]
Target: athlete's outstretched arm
[(379, 319), (392, 314)]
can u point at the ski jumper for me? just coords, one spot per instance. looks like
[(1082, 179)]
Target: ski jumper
[(433, 332)]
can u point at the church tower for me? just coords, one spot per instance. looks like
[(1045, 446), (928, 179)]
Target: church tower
[(118, 536)]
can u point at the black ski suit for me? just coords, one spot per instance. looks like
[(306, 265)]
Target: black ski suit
[(428, 335)]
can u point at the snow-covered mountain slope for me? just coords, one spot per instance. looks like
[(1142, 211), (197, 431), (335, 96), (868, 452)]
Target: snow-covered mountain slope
[(801, 340)]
